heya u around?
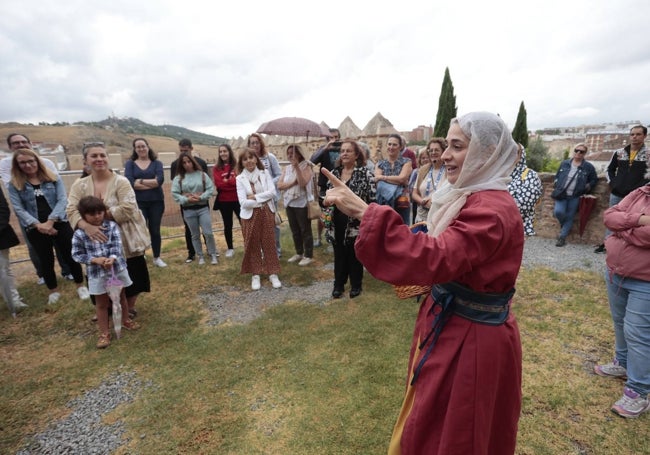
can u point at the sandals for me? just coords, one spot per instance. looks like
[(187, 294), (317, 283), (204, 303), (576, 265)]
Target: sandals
[(130, 324), (104, 340)]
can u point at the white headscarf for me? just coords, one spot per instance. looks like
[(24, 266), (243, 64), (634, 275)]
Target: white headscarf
[(491, 156)]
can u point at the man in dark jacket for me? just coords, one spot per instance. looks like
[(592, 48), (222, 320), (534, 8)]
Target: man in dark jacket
[(326, 156), (626, 170)]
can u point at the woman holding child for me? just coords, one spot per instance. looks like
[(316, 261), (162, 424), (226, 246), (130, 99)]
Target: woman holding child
[(118, 196), (103, 260)]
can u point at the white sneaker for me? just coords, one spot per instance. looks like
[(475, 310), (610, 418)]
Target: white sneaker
[(305, 261), (230, 253), (83, 293), (295, 258), (275, 281), (201, 260), (214, 259), (53, 298), (18, 306), (255, 283), (41, 280), (159, 262)]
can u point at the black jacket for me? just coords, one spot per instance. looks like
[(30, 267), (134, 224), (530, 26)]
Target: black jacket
[(625, 177), (8, 237)]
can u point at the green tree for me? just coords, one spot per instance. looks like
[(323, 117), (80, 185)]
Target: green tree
[(446, 106), (520, 131), (537, 155)]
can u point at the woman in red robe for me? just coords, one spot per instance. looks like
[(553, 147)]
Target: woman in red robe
[(463, 391)]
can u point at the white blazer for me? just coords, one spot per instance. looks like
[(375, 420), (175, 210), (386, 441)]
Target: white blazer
[(264, 192)]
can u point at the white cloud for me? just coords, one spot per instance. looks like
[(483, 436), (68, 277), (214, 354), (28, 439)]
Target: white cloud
[(226, 68)]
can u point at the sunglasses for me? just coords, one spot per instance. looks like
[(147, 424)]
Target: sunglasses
[(582, 152)]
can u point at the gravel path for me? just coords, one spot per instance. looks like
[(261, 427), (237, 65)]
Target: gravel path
[(83, 432)]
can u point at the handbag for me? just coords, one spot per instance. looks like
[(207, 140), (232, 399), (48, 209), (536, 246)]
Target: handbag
[(403, 201), (560, 193), (135, 237)]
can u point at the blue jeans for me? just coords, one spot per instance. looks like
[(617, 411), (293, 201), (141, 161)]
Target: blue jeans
[(629, 303), (153, 213), (200, 219), (565, 211)]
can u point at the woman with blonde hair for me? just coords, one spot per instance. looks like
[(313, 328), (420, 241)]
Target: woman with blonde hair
[(39, 200), (118, 196)]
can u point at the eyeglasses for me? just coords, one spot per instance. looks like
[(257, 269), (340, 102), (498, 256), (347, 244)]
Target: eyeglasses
[(26, 162), (582, 152)]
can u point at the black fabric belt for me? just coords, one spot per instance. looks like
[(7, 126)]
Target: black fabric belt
[(194, 207)]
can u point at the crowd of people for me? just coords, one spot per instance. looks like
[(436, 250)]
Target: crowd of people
[(470, 191)]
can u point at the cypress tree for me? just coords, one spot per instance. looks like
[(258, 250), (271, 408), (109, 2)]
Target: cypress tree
[(446, 106), (520, 131)]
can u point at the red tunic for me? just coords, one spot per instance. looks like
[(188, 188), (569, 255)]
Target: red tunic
[(467, 398)]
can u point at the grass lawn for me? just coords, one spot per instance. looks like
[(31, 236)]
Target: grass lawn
[(303, 378)]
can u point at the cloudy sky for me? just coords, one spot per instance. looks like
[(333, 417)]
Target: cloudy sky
[(226, 67)]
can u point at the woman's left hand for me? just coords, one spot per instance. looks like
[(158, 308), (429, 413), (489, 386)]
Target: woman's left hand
[(343, 197)]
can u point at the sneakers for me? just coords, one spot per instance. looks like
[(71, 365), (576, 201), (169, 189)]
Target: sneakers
[(611, 370), (130, 324), (83, 293), (104, 340), (201, 260), (255, 283), (53, 298), (560, 241), (40, 280), (159, 262), (600, 248), (189, 259), (305, 261), (631, 405), (19, 305), (214, 259), (230, 253), (295, 258), (318, 242), (68, 276), (275, 281)]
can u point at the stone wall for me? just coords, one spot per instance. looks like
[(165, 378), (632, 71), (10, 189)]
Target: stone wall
[(547, 226)]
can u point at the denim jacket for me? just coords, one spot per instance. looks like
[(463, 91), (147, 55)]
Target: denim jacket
[(586, 177), (24, 202)]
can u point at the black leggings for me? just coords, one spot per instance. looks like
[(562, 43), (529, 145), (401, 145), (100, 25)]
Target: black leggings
[(43, 245), (227, 209)]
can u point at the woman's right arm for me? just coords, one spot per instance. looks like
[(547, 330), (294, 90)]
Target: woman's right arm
[(25, 218)]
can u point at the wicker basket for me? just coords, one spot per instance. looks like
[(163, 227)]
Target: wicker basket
[(411, 290)]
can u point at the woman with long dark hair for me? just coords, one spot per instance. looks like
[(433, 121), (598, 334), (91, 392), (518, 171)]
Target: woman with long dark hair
[(224, 174), (145, 173), (192, 189)]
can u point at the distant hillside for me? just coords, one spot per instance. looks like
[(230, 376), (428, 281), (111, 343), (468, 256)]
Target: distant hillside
[(130, 125)]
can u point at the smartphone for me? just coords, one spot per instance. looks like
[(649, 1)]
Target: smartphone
[(336, 143)]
